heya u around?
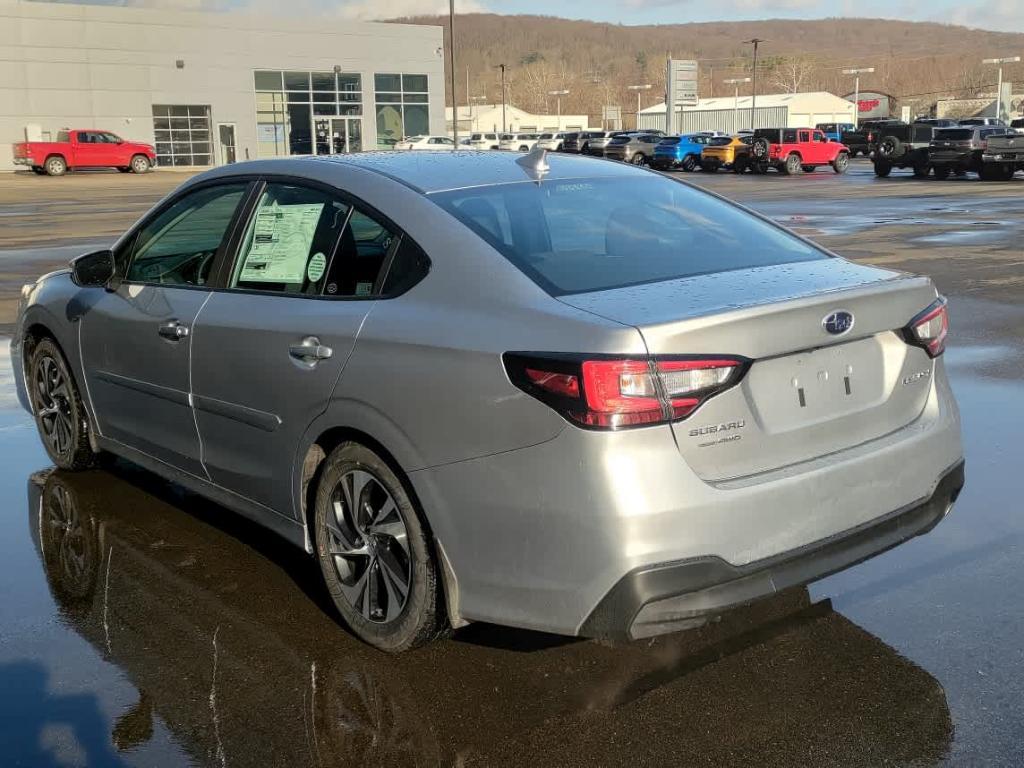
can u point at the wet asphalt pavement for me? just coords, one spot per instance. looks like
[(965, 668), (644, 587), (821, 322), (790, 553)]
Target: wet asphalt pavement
[(141, 625)]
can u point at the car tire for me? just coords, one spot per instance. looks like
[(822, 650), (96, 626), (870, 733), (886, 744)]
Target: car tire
[(365, 553), (58, 409), (759, 169), (55, 165), (791, 166), (739, 165), (140, 164), (640, 159), (841, 163), (942, 172), (882, 169), (689, 163), (921, 171), (760, 148), (709, 167)]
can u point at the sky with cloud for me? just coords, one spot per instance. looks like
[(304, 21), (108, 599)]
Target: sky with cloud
[(1000, 15)]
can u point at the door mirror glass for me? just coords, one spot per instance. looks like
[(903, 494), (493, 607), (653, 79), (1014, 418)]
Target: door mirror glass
[(93, 269)]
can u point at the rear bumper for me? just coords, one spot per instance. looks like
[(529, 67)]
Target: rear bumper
[(674, 596), (22, 161), (941, 157)]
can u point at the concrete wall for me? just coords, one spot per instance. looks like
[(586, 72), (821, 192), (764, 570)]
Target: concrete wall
[(89, 66)]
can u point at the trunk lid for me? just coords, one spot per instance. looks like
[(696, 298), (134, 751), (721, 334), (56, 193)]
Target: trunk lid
[(807, 393)]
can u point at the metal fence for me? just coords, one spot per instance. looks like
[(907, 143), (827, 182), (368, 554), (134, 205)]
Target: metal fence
[(727, 120)]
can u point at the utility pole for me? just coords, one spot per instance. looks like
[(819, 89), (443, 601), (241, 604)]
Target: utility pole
[(753, 91), (451, 67), (736, 101), (856, 90), (504, 128), (638, 89), (999, 86)]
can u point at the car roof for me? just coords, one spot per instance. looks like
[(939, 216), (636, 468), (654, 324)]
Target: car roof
[(428, 172)]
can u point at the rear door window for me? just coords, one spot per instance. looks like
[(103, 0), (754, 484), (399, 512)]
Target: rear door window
[(595, 234)]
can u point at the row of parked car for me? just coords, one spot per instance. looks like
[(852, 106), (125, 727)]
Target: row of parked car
[(944, 147)]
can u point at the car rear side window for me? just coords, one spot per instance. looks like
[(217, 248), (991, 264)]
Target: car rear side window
[(178, 246), (595, 234), (302, 240)]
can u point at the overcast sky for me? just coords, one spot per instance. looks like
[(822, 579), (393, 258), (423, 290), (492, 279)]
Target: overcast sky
[(1000, 15)]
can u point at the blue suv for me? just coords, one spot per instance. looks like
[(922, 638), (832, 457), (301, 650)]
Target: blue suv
[(834, 131), (679, 152)]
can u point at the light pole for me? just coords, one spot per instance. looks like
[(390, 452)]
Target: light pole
[(999, 86), (558, 101), (451, 66), (856, 90), (639, 89), (502, 68), (736, 101), (755, 41)]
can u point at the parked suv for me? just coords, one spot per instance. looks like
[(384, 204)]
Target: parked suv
[(581, 144), (904, 146), (1004, 155), (518, 142), (834, 131), (679, 152), (552, 141), (959, 150), (483, 141), (725, 152), (600, 140), (637, 149), (863, 138), (792, 150)]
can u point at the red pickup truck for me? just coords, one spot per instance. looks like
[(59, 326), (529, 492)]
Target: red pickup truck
[(84, 149), (792, 150)]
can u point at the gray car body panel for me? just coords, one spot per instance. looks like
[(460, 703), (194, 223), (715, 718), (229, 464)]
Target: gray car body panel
[(537, 519)]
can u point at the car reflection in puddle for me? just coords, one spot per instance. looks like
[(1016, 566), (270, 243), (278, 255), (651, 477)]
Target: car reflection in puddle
[(245, 665)]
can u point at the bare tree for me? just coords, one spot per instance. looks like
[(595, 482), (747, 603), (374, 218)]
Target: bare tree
[(791, 74)]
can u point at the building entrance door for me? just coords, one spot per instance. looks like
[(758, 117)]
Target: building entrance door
[(226, 139), (339, 135)]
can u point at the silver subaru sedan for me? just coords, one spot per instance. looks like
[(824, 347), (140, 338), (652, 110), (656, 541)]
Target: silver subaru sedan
[(541, 391)]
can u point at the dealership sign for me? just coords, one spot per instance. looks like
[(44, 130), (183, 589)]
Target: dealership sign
[(871, 104)]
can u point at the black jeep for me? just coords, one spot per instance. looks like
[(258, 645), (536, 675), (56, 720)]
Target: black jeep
[(903, 146), (864, 138)]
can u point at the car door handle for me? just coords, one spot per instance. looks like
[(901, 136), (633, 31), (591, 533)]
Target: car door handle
[(172, 330), (310, 350)]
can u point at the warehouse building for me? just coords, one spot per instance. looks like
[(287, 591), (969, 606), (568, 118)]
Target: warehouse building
[(774, 110), (212, 88), (496, 118)]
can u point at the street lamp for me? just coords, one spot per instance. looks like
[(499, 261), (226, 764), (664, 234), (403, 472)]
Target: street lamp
[(999, 87), (856, 91), (558, 100), (638, 89), (754, 41), (736, 101)]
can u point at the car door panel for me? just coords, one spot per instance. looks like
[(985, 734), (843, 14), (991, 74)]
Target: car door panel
[(253, 399), (137, 379), (135, 338)]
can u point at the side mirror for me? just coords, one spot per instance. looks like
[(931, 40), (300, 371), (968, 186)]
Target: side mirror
[(93, 269)]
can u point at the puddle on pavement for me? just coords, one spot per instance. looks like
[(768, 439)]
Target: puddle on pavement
[(143, 625)]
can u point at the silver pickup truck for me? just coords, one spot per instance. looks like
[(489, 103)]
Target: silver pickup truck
[(1004, 154)]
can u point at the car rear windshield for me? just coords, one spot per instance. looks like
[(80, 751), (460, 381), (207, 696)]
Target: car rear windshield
[(720, 141), (954, 134), (669, 141), (582, 235)]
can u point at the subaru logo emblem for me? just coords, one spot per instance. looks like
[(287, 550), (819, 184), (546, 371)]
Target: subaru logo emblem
[(838, 322)]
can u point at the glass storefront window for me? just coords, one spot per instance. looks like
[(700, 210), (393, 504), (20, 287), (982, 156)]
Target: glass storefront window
[(291, 106), (401, 107)]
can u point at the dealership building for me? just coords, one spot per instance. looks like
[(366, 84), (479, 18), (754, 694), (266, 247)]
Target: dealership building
[(772, 110), (212, 88)]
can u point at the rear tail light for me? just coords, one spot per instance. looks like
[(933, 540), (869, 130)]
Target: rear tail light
[(613, 393), (929, 328)]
